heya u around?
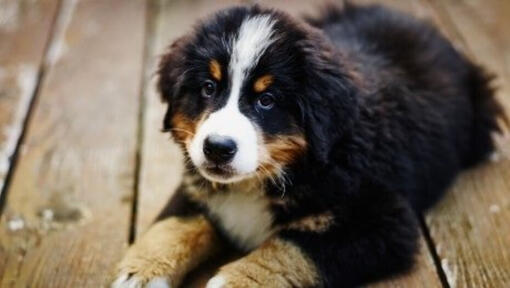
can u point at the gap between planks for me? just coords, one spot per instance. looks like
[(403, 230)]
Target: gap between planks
[(150, 24), (25, 111), (51, 54), (479, 258)]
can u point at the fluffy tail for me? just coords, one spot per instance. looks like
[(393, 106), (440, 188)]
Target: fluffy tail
[(486, 112)]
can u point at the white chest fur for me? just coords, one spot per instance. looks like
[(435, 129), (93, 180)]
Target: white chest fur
[(243, 215)]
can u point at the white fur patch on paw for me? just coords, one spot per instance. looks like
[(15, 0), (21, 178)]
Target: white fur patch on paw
[(124, 281), (158, 282), (216, 282), (496, 157)]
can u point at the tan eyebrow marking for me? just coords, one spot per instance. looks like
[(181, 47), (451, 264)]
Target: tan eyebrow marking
[(262, 83), (215, 69)]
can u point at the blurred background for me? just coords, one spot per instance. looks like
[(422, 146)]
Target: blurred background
[(84, 167)]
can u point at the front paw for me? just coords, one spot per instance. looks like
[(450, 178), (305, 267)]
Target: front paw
[(137, 270), (166, 253), (128, 280)]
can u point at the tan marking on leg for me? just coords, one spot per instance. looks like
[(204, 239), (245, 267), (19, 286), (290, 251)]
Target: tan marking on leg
[(170, 248), (215, 69), (277, 263), (262, 83), (314, 223)]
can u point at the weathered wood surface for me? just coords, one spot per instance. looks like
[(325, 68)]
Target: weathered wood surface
[(25, 30), (67, 215), (470, 225), (68, 210)]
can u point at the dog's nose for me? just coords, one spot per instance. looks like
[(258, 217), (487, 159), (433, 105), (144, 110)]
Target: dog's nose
[(219, 149)]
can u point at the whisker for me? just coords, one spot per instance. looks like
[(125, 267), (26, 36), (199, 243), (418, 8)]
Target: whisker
[(269, 175), (280, 177), (181, 130)]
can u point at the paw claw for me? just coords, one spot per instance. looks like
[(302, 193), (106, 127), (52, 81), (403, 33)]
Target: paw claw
[(216, 282), (120, 281)]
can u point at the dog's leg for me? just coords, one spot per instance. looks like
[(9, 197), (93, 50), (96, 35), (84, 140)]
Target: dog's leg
[(181, 239), (277, 263), (321, 251), (167, 251)]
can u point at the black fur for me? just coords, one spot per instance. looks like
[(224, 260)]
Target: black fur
[(391, 112)]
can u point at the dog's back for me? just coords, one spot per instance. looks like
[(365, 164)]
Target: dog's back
[(428, 110)]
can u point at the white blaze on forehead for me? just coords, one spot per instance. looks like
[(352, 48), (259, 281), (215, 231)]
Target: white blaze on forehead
[(254, 37)]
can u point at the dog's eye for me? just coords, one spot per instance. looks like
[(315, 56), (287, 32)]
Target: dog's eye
[(208, 89), (266, 101)]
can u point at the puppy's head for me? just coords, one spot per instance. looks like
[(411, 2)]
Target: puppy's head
[(250, 92)]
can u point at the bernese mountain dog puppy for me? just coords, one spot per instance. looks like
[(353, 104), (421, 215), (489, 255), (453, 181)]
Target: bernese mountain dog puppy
[(310, 145)]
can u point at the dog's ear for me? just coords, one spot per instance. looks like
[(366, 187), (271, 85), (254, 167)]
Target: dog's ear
[(329, 101), (171, 69), (171, 75)]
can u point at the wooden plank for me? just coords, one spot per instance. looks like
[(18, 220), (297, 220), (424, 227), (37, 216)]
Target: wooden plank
[(470, 226), (483, 29), (24, 32), (67, 216), (161, 162)]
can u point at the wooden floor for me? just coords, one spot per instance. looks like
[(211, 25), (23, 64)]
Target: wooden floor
[(84, 168)]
